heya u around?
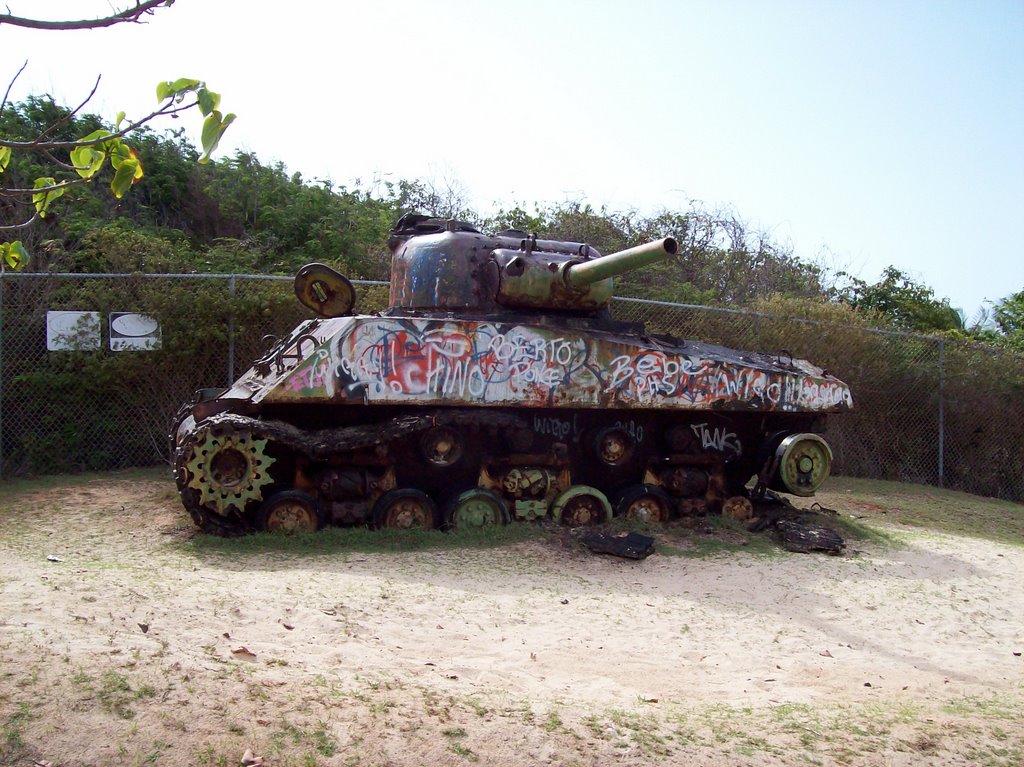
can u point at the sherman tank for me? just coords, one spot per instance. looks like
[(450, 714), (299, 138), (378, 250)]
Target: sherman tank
[(495, 387)]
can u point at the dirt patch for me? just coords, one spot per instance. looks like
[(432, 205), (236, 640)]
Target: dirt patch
[(140, 646)]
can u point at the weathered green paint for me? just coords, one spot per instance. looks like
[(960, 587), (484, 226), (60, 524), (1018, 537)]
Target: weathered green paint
[(580, 275)]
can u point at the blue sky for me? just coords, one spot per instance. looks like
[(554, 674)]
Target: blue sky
[(868, 133)]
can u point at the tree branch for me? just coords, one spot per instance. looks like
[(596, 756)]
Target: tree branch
[(10, 85), (142, 7), (67, 118), (11, 192), (22, 225)]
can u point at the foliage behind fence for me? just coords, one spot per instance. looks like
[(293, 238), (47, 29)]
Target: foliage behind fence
[(925, 409)]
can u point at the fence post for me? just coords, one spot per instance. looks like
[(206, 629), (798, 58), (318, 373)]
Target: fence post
[(1, 375), (942, 412), (231, 330)]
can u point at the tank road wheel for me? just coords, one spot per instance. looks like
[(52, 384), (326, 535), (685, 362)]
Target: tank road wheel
[(474, 509), (290, 511), (229, 469), (613, 446), (805, 461), (581, 505), (405, 509), (441, 446), (646, 503)]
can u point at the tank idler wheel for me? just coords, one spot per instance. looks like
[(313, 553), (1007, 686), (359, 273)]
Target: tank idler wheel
[(613, 446), (441, 446), (405, 509), (290, 511), (645, 503), (581, 505), (804, 463), (474, 509)]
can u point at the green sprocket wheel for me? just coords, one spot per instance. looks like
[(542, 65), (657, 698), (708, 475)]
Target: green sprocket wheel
[(229, 469)]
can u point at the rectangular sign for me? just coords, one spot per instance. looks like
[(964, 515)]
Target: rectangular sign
[(72, 331), (133, 332)]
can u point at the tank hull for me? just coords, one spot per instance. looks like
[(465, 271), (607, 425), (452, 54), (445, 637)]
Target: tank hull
[(368, 360), (424, 421)]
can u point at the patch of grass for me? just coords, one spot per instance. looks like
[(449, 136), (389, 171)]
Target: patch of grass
[(334, 540), (12, 489), (116, 695), (464, 751), (12, 729), (715, 535), (852, 529), (644, 731), (990, 708), (553, 722), (921, 506), (323, 741), (319, 738)]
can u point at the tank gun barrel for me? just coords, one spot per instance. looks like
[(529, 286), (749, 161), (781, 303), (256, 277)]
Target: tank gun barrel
[(579, 275)]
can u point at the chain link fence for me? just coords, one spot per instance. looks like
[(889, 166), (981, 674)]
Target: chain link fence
[(925, 410)]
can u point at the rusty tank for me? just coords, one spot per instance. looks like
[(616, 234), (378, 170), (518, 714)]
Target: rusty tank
[(495, 387)]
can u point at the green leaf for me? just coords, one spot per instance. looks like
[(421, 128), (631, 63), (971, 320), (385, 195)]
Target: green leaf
[(183, 84), (5, 157), (208, 100), (118, 121), (123, 179), (89, 159), (46, 195), (129, 172), (213, 128), (119, 154), (167, 88), (13, 254)]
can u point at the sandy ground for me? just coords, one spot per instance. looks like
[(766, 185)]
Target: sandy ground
[(142, 647)]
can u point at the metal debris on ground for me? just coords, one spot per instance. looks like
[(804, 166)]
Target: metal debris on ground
[(631, 546), (794, 528)]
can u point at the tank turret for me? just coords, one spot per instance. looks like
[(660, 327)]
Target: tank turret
[(448, 265)]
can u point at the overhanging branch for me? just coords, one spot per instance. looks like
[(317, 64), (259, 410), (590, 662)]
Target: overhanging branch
[(134, 14)]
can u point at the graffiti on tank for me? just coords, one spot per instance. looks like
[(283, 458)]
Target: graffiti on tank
[(647, 375), (313, 375), (395, 359), (632, 428), (716, 438), (448, 362), (823, 394), (559, 428)]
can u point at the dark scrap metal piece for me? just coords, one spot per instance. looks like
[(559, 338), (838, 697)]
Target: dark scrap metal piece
[(632, 546), (804, 538)]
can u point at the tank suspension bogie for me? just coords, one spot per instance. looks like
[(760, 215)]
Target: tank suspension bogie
[(290, 511), (644, 503), (348, 492), (405, 509), (474, 509), (581, 505)]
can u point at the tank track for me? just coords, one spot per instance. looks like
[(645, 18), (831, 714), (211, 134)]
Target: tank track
[(313, 444)]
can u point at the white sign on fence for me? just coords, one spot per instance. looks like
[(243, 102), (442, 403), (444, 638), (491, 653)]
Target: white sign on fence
[(72, 331), (133, 332)]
